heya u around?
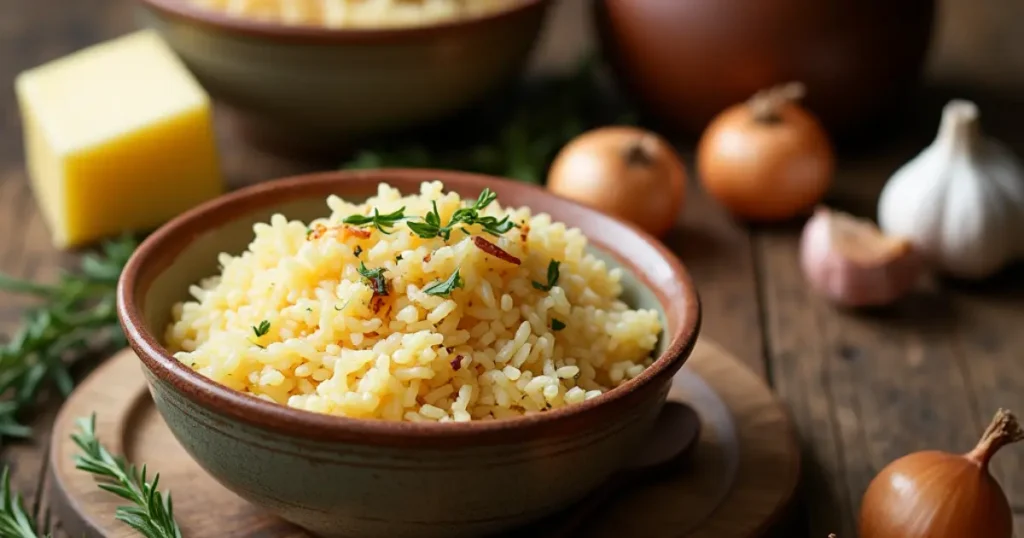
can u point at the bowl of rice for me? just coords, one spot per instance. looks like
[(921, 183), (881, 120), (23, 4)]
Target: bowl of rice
[(407, 353), (315, 76)]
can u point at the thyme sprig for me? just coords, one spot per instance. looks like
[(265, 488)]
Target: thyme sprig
[(151, 513), (444, 288), (552, 275), (431, 225), (15, 522), (77, 315), (384, 222)]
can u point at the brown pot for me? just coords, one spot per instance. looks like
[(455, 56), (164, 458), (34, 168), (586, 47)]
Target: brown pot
[(687, 60)]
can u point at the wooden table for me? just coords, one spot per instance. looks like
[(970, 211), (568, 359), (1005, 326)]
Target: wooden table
[(863, 389)]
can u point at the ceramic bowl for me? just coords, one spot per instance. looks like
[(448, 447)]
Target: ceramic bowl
[(687, 60), (373, 479), (310, 89)]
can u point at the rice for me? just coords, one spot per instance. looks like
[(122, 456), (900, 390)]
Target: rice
[(355, 13), (352, 321)]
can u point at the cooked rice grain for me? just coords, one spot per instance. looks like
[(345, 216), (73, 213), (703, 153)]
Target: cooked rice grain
[(485, 352)]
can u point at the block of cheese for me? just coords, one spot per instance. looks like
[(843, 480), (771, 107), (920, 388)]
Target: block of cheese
[(118, 137)]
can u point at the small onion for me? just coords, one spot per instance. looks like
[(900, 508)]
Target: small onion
[(767, 159), (936, 494), (626, 172), (849, 261)]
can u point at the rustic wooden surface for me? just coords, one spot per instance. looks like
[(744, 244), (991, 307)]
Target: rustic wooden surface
[(744, 429), (863, 388)]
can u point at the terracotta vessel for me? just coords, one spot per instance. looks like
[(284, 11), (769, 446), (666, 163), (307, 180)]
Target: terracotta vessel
[(686, 60), (352, 478)]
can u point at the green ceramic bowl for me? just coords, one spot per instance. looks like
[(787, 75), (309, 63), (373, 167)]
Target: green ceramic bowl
[(341, 477), (316, 89)]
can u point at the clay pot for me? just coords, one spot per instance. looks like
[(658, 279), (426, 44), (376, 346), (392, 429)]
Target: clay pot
[(686, 60)]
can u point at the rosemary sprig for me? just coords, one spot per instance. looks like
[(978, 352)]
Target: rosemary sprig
[(545, 117), (14, 521), (151, 513), (77, 315)]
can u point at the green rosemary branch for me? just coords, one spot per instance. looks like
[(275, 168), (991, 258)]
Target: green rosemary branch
[(543, 120), (151, 512), (76, 315), (14, 521)]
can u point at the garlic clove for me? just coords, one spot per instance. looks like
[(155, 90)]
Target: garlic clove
[(960, 201), (850, 262)]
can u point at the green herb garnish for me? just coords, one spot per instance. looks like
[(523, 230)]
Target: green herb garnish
[(553, 266), (261, 329), (77, 318), (151, 512), (375, 277), (431, 225), (556, 325), (444, 288), (357, 251), (14, 520), (398, 258), (384, 223)]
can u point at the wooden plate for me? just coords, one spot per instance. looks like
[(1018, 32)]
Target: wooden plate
[(740, 476)]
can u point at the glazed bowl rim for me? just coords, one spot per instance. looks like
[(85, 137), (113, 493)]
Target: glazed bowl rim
[(156, 253), (184, 10)]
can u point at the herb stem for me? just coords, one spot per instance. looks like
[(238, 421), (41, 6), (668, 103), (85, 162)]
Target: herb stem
[(152, 512)]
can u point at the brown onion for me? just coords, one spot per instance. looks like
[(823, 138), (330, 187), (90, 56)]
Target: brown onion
[(934, 494), (766, 159), (626, 172)]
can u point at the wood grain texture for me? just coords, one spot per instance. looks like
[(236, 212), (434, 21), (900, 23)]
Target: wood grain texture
[(742, 473)]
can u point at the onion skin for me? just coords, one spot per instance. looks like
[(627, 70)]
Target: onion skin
[(861, 277), (766, 170), (625, 172), (934, 494)]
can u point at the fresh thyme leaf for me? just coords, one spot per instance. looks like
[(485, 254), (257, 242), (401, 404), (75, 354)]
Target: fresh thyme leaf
[(357, 251), (553, 266), (77, 317), (557, 325), (444, 288), (384, 223), (14, 521), (486, 197), (151, 512), (398, 258), (378, 283), (261, 329)]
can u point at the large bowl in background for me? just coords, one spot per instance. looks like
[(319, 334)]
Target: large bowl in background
[(312, 89), (687, 60), (374, 479)]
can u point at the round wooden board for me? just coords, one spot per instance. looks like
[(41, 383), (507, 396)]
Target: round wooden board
[(741, 474)]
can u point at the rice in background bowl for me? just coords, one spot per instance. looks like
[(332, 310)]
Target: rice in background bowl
[(355, 13), (294, 321)]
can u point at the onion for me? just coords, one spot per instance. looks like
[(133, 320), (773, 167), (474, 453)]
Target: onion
[(935, 494), (626, 172), (849, 261), (766, 159)]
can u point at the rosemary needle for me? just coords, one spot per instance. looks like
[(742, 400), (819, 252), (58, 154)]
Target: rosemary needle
[(14, 521), (151, 513), (76, 315)]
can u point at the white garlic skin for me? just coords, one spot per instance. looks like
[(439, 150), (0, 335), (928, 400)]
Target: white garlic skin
[(868, 280), (960, 201)]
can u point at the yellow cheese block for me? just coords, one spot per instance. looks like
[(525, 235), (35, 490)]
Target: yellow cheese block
[(118, 137)]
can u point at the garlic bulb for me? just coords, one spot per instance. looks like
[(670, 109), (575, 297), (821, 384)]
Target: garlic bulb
[(850, 262), (961, 200)]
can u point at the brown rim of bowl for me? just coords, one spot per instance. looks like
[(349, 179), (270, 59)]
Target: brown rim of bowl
[(183, 9), (167, 243)]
